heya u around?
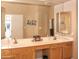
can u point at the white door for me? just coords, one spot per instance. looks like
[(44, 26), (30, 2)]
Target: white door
[(17, 26)]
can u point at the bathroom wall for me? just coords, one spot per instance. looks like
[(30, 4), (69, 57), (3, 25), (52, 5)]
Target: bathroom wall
[(32, 12), (2, 22), (75, 28), (51, 12), (43, 21)]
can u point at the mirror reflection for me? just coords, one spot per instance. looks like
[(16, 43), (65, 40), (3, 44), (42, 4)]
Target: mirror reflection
[(26, 20), (63, 22)]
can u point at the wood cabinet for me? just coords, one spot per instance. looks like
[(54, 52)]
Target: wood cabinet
[(18, 53), (67, 50), (6, 54), (55, 51), (61, 51)]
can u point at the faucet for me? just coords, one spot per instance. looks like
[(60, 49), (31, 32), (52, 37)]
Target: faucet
[(55, 38), (15, 41), (37, 38)]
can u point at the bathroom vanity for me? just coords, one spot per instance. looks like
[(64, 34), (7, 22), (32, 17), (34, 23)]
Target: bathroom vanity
[(56, 49), (38, 24)]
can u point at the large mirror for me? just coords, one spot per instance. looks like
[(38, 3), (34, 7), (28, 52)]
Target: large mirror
[(27, 20), (63, 23)]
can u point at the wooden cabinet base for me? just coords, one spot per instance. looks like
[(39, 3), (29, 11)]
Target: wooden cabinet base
[(55, 51)]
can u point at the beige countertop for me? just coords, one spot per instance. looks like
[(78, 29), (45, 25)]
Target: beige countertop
[(8, 43)]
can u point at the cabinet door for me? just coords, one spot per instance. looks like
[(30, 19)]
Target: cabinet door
[(23, 53), (67, 51), (6, 54), (17, 56), (23, 56), (56, 53), (28, 54)]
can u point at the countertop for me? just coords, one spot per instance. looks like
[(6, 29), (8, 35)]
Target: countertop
[(8, 43)]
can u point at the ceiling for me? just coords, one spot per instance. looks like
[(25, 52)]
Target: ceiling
[(44, 2)]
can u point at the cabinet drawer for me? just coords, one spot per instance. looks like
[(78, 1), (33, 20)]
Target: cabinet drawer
[(56, 45), (42, 47), (17, 51), (21, 50), (67, 44)]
